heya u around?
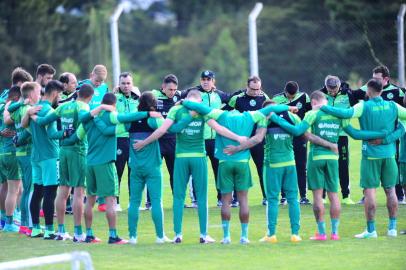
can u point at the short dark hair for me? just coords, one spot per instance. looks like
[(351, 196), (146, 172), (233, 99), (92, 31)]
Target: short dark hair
[(27, 88), (45, 69), (170, 78), (147, 102), (268, 102), (14, 93), (109, 99), (125, 75), (382, 69), (20, 75), (193, 93), (253, 79), (291, 85), (317, 95), (64, 78), (52, 86), (85, 91), (375, 85)]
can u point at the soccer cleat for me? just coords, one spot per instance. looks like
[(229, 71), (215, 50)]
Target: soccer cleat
[(206, 240), (269, 239), (92, 239), (361, 201), (63, 236), (163, 240), (264, 202), (118, 208), (392, 233), (28, 232), (102, 207), (79, 238), (49, 235), (194, 204), (348, 201), (319, 237), (367, 235), (23, 230), (334, 237), (219, 203), (283, 201), (226, 241), (2, 223), (295, 238), (41, 213), (133, 240), (11, 228), (117, 241), (402, 202), (36, 233), (69, 210), (177, 239), (402, 232), (234, 203), (304, 201), (244, 241), (147, 205)]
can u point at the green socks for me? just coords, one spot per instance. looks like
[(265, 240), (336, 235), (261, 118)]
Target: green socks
[(244, 230), (78, 230), (49, 228), (334, 225), (89, 232), (370, 226), (392, 223), (113, 233), (226, 228), (321, 227), (61, 228)]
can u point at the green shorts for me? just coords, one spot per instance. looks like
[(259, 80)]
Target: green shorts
[(9, 169), (376, 172), (45, 172), (323, 174), (102, 180), (233, 175), (402, 172), (72, 168)]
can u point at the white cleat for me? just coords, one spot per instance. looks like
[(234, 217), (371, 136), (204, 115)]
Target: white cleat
[(133, 241), (392, 233), (226, 241), (207, 240), (118, 208), (79, 238), (163, 240), (367, 235), (63, 237), (244, 241)]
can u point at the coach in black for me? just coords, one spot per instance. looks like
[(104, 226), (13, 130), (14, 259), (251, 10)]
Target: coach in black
[(293, 97), (251, 99)]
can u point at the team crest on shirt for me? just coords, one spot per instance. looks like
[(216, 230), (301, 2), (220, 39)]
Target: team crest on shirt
[(390, 96), (299, 105), (119, 152), (253, 103), (175, 98)]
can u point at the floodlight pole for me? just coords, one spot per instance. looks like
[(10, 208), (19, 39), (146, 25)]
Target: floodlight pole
[(401, 45), (115, 47), (252, 36)]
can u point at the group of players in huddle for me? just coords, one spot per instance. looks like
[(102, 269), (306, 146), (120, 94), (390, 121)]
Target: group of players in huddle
[(58, 136)]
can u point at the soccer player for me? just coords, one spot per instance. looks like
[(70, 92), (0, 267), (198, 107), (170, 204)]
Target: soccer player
[(72, 161), (44, 160), (70, 84), (10, 170), (390, 92), (293, 97), (251, 99), (234, 171), (339, 95), (146, 164), (18, 77), (96, 80), (378, 164), (215, 98), (127, 102), (44, 74), (166, 97), (323, 163), (190, 159)]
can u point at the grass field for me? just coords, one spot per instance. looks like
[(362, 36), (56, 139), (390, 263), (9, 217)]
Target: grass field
[(348, 253)]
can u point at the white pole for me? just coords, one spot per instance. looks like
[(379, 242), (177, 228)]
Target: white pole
[(114, 41), (252, 35), (401, 45)]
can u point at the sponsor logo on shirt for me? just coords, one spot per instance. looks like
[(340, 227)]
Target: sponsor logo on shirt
[(299, 105), (119, 152), (390, 96), (328, 125), (281, 136), (175, 98), (253, 103)]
